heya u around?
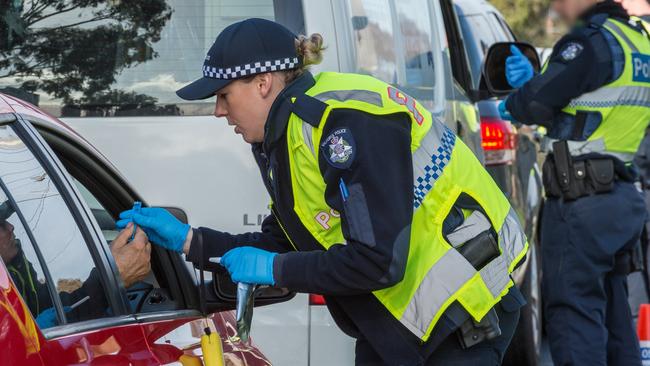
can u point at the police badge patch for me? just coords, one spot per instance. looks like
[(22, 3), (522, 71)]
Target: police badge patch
[(571, 51), (338, 148)]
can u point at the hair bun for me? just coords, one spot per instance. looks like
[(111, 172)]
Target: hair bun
[(310, 49)]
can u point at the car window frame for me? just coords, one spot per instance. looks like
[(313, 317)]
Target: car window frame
[(180, 281), (88, 228), (460, 66), (51, 287), (497, 23)]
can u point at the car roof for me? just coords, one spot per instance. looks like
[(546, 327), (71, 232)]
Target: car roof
[(469, 7), (42, 119)]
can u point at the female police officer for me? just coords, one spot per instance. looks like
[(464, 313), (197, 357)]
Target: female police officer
[(375, 204)]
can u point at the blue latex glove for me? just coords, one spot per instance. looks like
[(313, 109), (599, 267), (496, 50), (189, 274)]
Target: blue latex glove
[(161, 227), (250, 265), (503, 112), (47, 318), (519, 70)]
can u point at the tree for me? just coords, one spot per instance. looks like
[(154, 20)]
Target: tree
[(528, 19), (74, 49)]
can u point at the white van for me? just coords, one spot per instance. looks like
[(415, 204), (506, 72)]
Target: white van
[(177, 154)]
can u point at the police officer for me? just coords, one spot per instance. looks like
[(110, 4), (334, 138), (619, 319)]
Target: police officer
[(594, 97), (375, 204)]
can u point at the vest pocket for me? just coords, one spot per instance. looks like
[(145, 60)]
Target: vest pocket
[(474, 238)]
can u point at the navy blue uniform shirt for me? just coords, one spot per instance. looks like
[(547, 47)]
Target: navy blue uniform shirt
[(581, 62)]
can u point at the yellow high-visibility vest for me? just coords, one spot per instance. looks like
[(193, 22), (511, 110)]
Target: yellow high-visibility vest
[(444, 168)]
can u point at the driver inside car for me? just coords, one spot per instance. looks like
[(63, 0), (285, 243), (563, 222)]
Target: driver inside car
[(133, 260)]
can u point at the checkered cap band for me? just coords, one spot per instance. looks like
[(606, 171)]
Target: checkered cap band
[(250, 69)]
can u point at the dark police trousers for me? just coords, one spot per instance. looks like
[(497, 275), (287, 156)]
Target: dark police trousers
[(450, 353), (588, 319)]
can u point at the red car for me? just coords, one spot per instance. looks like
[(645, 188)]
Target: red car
[(58, 201)]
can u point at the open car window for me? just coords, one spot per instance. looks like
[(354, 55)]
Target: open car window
[(49, 240)]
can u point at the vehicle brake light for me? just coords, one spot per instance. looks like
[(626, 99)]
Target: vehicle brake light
[(499, 141), (315, 299)]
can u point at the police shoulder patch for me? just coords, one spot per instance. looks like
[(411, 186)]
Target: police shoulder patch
[(338, 148), (571, 51)]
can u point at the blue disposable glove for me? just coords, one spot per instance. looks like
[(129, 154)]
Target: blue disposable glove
[(250, 265), (161, 227), (503, 112), (519, 70), (47, 318)]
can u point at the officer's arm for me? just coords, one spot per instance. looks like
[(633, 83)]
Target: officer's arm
[(217, 243), (376, 216), (575, 67)]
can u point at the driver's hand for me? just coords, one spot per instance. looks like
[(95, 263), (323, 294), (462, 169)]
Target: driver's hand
[(133, 258)]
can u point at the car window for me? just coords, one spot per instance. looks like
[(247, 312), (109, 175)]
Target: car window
[(478, 36), (56, 234), (416, 37), (372, 26), (109, 231), (103, 59), (20, 259), (501, 34), (102, 216), (510, 36)]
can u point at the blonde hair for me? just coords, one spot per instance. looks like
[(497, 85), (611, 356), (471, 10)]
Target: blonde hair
[(310, 49)]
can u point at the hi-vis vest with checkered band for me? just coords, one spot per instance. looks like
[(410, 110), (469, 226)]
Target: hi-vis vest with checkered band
[(443, 168), (624, 104)]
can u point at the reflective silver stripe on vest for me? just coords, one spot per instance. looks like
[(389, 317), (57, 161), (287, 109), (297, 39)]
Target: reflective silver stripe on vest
[(616, 29), (512, 242), (577, 148), (430, 159), (366, 96), (512, 237), (611, 97), (444, 279), (495, 275), (307, 131)]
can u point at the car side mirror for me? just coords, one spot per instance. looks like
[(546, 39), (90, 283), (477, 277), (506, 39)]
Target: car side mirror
[(178, 213), (494, 66), (222, 292)]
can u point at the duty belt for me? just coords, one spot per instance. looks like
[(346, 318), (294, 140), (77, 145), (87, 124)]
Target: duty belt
[(577, 148)]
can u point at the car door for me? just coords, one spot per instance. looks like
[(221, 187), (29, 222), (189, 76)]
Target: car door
[(465, 113), (64, 273)]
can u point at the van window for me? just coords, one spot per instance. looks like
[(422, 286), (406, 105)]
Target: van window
[(87, 60), (416, 38), (372, 27), (56, 234)]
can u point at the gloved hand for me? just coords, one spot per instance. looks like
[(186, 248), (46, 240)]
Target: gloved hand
[(161, 227), (250, 265), (47, 318), (518, 68), (503, 112)]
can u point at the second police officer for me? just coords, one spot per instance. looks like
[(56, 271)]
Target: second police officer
[(593, 95)]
